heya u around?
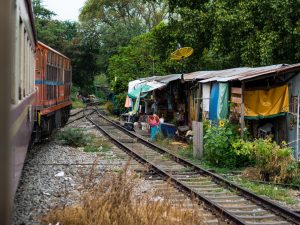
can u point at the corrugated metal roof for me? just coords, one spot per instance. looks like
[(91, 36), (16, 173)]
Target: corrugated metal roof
[(168, 78), (155, 82), (242, 73)]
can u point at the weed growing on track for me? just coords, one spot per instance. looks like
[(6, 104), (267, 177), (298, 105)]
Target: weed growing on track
[(73, 136), (77, 138), (113, 200), (98, 145), (271, 191)]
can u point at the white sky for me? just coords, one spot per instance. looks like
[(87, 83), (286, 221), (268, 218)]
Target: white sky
[(65, 9)]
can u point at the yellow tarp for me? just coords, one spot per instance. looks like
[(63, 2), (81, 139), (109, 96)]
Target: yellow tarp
[(266, 103)]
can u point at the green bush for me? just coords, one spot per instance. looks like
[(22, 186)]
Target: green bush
[(73, 137), (274, 162), (218, 140), (76, 103), (109, 106)]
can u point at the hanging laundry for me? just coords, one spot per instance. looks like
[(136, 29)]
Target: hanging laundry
[(127, 102)]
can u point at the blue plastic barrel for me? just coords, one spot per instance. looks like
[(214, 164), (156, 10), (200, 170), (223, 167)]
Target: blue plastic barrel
[(168, 130)]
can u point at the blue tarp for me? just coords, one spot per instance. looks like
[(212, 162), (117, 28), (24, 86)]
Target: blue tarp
[(218, 105), (213, 103)]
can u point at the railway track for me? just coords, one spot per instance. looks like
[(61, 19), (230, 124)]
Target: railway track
[(229, 201)]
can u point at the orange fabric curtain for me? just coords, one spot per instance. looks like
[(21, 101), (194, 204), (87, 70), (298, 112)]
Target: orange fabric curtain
[(264, 103)]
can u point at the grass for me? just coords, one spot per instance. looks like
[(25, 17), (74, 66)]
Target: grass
[(73, 137), (187, 153), (98, 145), (93, 148), (166, 157), (113, 201), (76, 104), (270, 191), (76, 137)]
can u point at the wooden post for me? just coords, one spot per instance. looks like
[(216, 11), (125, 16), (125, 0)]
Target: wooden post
[(297, 132), (197, 139), (242, 112)]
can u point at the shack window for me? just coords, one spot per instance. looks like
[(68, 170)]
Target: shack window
[(48, 57)]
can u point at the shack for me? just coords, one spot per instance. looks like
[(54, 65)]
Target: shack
[(264, 100), (161, 95)]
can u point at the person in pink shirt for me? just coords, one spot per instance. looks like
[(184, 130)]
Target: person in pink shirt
[(154, 124)]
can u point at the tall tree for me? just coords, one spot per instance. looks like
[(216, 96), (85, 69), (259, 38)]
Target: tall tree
[(111, 24), (238, 33), (71, 39), (55, 33)]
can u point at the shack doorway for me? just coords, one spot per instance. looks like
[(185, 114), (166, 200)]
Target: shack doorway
[(269, 127)]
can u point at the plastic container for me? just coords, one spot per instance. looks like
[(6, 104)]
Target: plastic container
[(144, 125), (168, 130)]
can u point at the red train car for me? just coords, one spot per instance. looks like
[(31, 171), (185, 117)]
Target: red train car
[(53, 77)]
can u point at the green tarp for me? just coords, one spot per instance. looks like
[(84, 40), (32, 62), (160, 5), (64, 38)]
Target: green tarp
[(139, 91), (223, 100)]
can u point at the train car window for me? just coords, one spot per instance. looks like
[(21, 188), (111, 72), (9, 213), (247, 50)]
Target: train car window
[(41, 59), (15, 81), (47, 72), (47, 92), (39, 62), (52, 58), (33, 65), (27, 66), (50, 73), (55, 91), (20, 60), (48, 57), (24, 61)]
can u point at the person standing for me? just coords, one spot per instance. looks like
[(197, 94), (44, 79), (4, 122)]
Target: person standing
[(154, 124)]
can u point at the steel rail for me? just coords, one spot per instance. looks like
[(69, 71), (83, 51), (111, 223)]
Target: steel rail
[(279, 210), (223, 212), (81, 117), (74, 114)]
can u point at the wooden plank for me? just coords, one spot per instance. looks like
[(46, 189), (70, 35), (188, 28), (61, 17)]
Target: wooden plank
[(242, 119), (237, 109), (235, 90), (237, 100), (197, 139)]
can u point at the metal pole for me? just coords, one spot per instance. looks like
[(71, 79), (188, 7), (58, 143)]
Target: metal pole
[(297, 137)]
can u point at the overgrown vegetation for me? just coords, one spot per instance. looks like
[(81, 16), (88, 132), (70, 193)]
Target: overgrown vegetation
[(96, 147), (76, 103), (77, 138), (73, 136), (109, 106), (274, 162), (271, 191), (218, 145), (112, 201), (223, 147)]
